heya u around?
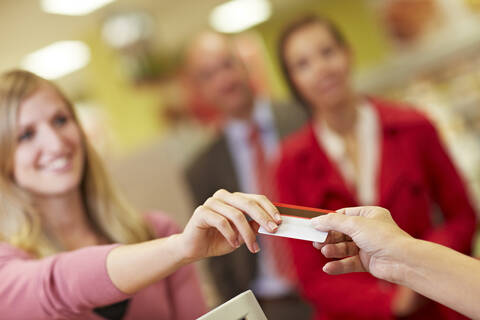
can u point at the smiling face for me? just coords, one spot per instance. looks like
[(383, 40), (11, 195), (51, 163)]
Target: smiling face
[(318, 65), (49, 156)]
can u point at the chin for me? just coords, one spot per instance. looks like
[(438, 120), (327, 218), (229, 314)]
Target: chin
[(334, 99), (56, 188)]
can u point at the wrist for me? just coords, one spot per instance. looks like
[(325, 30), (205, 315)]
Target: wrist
[(406, 256), (180, 250)]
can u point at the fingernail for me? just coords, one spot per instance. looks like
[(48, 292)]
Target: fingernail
[(278, 217), (256, 248), (272, 226), (324, 250)]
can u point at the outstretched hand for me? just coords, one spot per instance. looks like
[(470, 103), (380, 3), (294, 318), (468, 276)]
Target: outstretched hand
[(364, 239), (226, 221)]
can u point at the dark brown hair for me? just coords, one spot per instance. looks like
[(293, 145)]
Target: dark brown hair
[(285, 35)]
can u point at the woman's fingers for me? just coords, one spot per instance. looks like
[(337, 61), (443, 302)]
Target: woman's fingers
[(340, 250), (333, 237), (237, 218), (266, 204), (346, 265), (208, 218), (249, 206)]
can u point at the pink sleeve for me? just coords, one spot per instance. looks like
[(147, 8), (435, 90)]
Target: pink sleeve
[(184, 286), (61, 286)]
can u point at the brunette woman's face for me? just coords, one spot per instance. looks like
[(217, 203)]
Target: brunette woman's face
[(49, 157), (319, 66)]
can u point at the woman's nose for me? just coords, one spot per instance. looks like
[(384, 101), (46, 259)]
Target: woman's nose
[(52, 140), (319, 67)]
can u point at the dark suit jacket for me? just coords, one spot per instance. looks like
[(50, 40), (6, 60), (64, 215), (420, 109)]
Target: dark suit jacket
[(213, 169), (415, 175)]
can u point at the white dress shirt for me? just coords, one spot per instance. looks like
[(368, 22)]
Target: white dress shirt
[(367, 133)]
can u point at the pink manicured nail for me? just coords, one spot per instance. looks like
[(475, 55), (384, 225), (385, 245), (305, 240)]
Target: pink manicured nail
[(256, 248)]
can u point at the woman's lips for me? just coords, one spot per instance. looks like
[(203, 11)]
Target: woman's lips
[(58, 165)]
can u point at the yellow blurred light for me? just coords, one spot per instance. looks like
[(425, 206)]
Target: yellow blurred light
[(238, 15), (73, 7), (58, 59)]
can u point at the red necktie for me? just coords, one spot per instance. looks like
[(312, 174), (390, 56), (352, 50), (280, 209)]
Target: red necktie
[(260, 167)]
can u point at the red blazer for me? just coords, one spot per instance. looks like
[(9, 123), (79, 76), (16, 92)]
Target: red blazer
[(418, 183)]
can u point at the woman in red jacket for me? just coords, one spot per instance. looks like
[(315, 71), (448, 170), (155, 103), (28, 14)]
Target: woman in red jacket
[(363, 151)]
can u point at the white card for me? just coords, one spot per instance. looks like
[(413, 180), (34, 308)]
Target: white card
[(297, 228)]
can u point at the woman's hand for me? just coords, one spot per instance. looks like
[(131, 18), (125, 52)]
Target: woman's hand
[(220, 225), (365, 239)]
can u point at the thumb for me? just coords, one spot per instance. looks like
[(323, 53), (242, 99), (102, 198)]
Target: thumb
[(337, 222)]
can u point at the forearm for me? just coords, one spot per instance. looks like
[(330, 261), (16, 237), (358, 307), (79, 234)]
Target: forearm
[(134, 267), (444, 275)]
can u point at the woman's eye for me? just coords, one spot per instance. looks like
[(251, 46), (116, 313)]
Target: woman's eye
[(301, 64), (326, 52), (60, 120), (25, 136), (228, 64)]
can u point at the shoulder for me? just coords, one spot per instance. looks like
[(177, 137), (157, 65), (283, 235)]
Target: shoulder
[(404, 124), (161, 224), (399, 115), (299, 140)]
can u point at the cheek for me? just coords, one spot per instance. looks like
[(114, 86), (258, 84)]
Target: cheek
[(342, 65), (77, 141), (207, 90), (77, 138), (23, 163), (73, 135), (304, 81)]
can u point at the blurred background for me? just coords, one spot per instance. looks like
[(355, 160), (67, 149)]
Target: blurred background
[(119, 62)]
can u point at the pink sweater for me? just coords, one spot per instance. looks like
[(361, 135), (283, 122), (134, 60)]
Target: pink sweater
[(70, 285)]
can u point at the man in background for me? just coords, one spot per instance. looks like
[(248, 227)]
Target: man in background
[(240, 159)]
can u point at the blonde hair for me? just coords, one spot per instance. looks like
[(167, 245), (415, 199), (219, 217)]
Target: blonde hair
[(20, 223)]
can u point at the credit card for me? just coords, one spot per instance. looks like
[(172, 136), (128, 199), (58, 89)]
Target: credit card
[(296, 223)]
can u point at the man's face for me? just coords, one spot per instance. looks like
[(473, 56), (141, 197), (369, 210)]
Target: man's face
[(219, 76)]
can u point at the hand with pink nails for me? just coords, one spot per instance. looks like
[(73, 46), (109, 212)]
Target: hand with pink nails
[(221, 225)]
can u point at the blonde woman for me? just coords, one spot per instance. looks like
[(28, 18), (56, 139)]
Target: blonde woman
[(70, 248)]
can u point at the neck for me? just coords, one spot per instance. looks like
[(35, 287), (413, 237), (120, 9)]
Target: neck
[(65, 218), (340, 118)]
